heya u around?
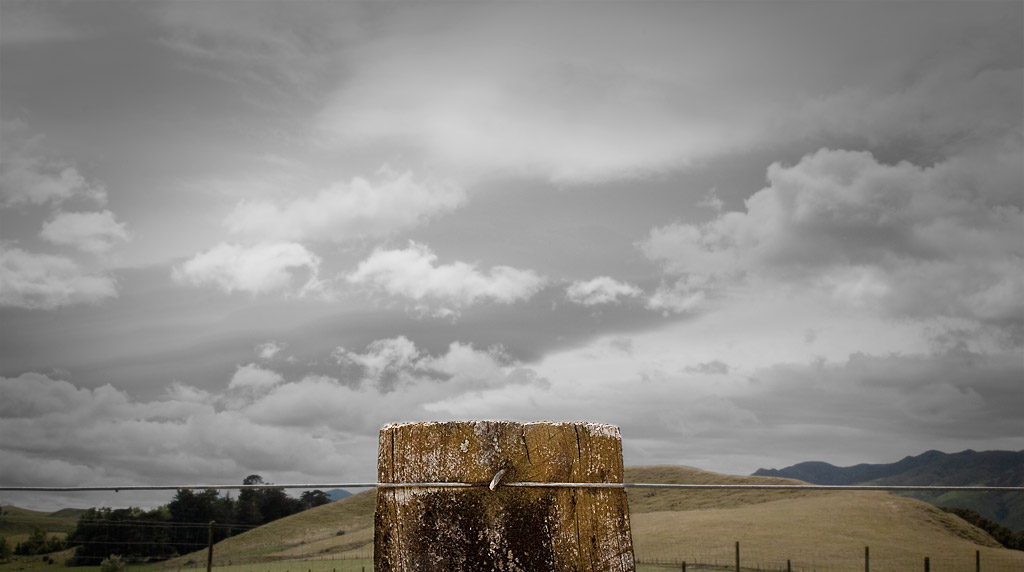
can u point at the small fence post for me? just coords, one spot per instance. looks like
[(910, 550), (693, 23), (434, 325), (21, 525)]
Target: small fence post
[(977, 561), (927, 564), (737, 556), (789, 566), (209, 550), (684, 566), (867, 559)]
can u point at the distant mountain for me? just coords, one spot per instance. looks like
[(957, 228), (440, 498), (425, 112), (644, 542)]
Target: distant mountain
[(338, 494), (991, 468)]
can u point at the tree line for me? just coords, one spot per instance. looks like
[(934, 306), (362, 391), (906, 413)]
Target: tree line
[(181, 526), (1002, 535)]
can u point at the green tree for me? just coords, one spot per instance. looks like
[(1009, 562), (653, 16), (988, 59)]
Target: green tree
[(129, 532), (1002, 535), (260, 506), (34, 544), (246, 509), (5, 550), (275, 504), (313, 498)]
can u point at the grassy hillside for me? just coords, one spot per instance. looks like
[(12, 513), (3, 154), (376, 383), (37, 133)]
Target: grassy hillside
[(344, 527), (17, 523), (650, 500), (693, 525), (975, 468)]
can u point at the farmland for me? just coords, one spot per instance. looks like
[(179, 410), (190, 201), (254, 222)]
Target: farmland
[(814, 530)]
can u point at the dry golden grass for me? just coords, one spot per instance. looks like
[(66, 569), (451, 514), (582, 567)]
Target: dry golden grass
[(336, 529), (828, 529)]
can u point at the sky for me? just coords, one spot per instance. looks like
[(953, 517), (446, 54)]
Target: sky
[(239, 237)]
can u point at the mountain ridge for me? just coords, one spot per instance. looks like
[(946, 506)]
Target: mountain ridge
[(933, 468)]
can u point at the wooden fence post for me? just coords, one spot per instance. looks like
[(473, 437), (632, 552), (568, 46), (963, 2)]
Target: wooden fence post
[(489, 526), (867, 559), (209, 550)]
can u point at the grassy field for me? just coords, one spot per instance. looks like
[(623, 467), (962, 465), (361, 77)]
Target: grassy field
[(821, 531), (18, 523)]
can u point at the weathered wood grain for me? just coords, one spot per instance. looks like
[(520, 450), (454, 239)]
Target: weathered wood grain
[(509, 529)]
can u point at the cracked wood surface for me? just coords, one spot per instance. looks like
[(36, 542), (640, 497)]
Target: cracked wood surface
[(509, 529)]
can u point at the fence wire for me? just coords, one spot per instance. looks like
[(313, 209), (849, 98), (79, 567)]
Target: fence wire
[(688, 555), (890, 488)]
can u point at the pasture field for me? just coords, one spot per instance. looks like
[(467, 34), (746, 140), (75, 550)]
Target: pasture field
[(18, 523), (815, 531)]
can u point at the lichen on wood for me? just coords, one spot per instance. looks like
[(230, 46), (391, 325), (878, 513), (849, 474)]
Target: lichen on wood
[(508, 529)]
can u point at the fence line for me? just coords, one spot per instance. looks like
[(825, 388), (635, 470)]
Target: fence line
[(701, 555), (694, 556), (892, 488)]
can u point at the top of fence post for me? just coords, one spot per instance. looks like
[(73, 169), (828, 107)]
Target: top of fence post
[(484, 520)]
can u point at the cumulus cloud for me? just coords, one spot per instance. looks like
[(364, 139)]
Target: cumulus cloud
[(682, 398), (93, 232), (30, 175), (396, 362), (346, 211), (385, 363), (100, 435), (42, 281), (955, 395), (930, 241), (313, 427), (179, 391), (600, 290), (414, 273), (259, 269), (320, 426), (254, 378), (268, 350), (391, 379), (679, 298)]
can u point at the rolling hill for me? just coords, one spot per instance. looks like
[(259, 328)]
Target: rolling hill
[(673, 525), (17, 523), (992, 468)]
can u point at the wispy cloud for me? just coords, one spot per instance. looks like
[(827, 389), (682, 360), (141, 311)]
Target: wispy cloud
[(30, 174), (93, 232), (348, 211), (27, 23), (44, 282)]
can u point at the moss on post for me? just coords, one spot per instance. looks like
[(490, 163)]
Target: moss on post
[(508, 529)]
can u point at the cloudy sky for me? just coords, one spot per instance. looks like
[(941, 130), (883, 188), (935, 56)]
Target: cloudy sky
[(238, 237)]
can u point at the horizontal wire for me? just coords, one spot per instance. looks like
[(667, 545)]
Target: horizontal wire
[(538, 484)]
